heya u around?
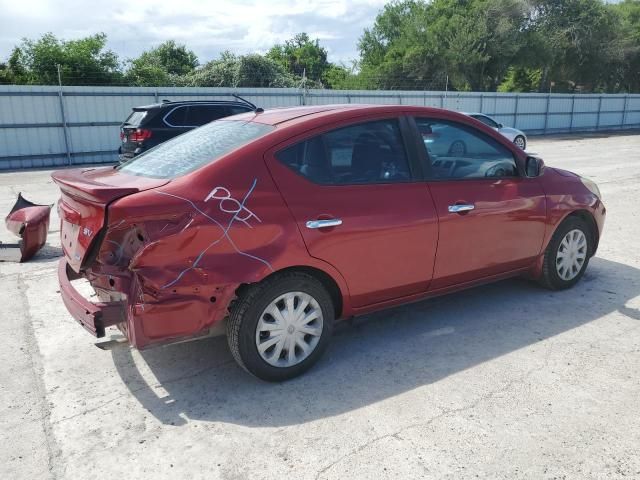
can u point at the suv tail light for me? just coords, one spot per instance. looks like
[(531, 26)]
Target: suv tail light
[(140, 135)]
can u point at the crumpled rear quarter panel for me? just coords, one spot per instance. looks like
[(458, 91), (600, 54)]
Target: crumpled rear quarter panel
[(180, 252)]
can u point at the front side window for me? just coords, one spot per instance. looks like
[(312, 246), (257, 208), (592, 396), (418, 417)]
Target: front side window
[(187, 152), (457, 151), (371, 152)]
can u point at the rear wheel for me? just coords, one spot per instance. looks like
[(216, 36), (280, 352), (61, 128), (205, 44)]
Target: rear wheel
[(567, 254), (279, 328)]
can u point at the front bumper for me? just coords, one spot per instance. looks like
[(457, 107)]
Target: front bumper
[(94, 317)]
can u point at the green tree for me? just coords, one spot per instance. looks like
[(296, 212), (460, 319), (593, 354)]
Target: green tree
[(85, 61), (231, 70), (628, 13), (301, 55), (162, 65), (414, 44), (577, 43)]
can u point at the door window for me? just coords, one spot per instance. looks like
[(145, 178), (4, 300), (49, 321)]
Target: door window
[(198, 115), (176, 117), (457, 151), (486, 120), (371, 152)]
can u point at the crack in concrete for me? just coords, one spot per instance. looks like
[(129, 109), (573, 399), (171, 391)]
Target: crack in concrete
[(37, 369), (444, 413)]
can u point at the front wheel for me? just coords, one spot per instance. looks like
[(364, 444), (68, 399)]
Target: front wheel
[(520, 142), (279, 328), (567, 255)]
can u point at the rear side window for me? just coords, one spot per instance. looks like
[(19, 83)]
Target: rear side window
[(187, 152), (176, 117), (237, 110), (198, 115), (371, 152), (135, 119)]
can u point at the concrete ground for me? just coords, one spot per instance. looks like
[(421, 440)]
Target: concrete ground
[(502, 381)]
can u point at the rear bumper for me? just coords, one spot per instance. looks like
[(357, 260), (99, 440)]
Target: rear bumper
[(94, 317), (126, 154)]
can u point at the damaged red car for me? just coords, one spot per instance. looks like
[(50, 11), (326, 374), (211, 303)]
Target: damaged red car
[(274, 224)]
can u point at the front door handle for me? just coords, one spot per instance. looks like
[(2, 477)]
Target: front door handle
[(461, 207), (333, 222)]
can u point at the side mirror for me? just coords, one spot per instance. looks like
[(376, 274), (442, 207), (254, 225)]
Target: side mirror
[(533, 167), (500, 125)]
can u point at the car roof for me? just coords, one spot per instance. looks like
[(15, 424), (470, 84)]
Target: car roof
[(192, 102), (277, 116)]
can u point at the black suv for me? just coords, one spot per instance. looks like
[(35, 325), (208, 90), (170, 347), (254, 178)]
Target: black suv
[(150, 125)]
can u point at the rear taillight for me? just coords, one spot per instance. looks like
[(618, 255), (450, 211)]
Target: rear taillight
[(140, 135)]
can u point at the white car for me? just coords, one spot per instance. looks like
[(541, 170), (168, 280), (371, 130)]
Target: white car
[(516, 136)]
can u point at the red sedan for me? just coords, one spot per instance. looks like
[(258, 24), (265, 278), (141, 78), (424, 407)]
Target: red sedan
[(274, 224)]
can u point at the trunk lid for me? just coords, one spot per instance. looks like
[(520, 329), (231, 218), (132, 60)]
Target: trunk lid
[(86, 194)]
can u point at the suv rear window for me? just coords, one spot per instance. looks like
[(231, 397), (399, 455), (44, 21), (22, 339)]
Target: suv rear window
[(135, 118), (193, 149)]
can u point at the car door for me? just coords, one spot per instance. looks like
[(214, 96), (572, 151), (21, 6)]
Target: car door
[(359, 206), (492, 218)]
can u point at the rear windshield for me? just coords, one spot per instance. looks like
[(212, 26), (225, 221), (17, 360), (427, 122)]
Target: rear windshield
[(135, 118), (193, 149)]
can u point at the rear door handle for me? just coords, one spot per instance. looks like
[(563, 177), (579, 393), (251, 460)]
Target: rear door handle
[(334, 222), (461, 207)]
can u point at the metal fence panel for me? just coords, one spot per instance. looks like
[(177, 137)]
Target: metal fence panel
[(43, 126)]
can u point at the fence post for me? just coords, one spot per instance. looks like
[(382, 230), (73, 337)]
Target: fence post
[(399, 99), (155, 94), (546, 117), (441, 100), (599, 108), (515, 113), (624, 111), (481, 103), (65, 127), (348, 98), (573, 104)]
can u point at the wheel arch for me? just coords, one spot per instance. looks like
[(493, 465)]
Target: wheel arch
[(587, 217), (333, 287)]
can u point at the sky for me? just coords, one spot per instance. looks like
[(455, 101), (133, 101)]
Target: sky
[(206, 27)]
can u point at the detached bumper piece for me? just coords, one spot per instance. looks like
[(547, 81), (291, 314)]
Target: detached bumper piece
[(30, 222), (94, 317)]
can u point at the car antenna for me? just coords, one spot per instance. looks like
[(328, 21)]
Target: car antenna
[(244, 100)]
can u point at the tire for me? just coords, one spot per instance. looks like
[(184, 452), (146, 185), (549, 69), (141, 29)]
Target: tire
[(553, 275), (248, 313), (520, 142)]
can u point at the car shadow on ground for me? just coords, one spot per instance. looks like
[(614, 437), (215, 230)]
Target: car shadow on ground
[(378, 356)]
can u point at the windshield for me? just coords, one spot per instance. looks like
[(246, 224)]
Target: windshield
[(193, 149)]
